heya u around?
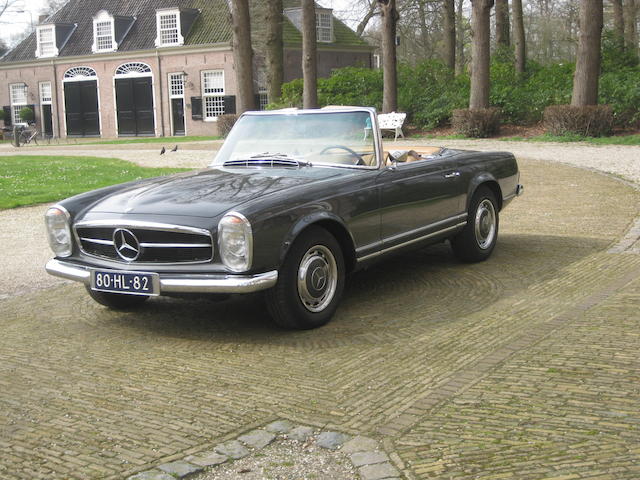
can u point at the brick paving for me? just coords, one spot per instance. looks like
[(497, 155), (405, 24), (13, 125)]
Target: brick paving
[(525, 366)]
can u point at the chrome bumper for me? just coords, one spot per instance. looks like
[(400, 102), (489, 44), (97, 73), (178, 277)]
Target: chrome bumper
[(179, 283)]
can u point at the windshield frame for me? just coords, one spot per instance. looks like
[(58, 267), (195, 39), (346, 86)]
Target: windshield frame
[(327, 111)]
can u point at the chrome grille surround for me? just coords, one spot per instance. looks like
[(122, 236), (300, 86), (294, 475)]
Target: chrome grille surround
[(95, 239)]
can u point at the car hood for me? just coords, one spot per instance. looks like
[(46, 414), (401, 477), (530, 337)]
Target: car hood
[(207, 193)]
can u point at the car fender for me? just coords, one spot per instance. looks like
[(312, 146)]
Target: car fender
[(484, 178)]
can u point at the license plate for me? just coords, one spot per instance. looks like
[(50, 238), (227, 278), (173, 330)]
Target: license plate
[(132, 283)]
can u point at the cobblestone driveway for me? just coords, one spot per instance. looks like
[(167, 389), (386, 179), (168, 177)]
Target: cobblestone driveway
[(525, 366)]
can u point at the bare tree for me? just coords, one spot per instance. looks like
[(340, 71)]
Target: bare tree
[(587, 73), (460, 34), (309, 55), (7, 4), (631, 30), (519, 37), (480, 53), (242, 55), (449, 14), (371, 12), (52, 6), (618, 21), (390, 18), (502, 23), (274, 50)]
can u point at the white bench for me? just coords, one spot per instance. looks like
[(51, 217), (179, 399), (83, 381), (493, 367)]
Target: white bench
[(392, 121)]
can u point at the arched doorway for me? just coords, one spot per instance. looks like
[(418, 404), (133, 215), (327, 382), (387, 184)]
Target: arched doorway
[(81, 102), (134, 100)]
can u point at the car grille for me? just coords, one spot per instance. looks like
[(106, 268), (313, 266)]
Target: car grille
[(153, 245)]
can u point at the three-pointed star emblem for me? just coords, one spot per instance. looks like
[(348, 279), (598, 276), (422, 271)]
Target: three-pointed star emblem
[(126, 244)]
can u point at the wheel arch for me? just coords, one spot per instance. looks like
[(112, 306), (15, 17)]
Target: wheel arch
[(489, 181), (331, 223)]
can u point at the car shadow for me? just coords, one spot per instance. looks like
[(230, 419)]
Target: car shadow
[(426, 286)]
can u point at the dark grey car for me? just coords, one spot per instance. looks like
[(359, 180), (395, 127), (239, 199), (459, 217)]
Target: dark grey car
[(294, 201)]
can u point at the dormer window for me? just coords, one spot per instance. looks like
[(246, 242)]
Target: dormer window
[(169, 33), (103, 33), (324, 27), (46, 35)]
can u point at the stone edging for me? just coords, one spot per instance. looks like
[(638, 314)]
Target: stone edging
[(365, 453)]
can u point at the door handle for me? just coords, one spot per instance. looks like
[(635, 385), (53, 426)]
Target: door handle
[(452, 175)]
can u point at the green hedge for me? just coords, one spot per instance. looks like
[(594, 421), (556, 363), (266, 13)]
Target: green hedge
[(428, 93)]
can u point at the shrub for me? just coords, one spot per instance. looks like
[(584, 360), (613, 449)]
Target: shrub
[(226, 123), (477, 123), (589, 121), (26, 115)]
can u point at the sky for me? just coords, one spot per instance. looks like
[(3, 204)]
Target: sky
[(12, 24)]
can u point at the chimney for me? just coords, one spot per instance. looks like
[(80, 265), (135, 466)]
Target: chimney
[(42, 18)]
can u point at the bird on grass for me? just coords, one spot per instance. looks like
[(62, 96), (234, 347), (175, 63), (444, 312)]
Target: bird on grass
[(175, 149), (162, 151)]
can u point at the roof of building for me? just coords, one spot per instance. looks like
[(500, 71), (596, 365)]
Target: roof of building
[(212, 26)]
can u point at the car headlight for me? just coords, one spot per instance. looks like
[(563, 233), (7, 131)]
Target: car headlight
[(59, 231), (235, 242)]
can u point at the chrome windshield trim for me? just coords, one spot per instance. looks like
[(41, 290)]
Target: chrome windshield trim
[(178, 283), (412, 241)]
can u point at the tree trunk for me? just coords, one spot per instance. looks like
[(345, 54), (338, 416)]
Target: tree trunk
[(460, 38), (309, 55), (618, 22), (274, 51), (389, 64), (502, 23), (449, 13), (242, 55), (480, 53), (585, 78), (631, 30), (518, 36)]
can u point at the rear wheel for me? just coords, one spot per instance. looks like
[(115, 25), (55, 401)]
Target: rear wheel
[(310, 282), (117, 301), (478, 238)]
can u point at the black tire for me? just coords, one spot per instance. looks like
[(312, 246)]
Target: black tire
[(117, 301), (312, 301), (478, 238)]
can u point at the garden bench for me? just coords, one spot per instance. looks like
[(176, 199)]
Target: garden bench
[(392, 121)]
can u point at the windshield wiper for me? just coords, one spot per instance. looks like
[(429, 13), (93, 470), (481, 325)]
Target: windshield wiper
[(271, 159)]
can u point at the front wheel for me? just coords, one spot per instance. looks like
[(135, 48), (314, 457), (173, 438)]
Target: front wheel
[(478, 238), (117, 301), (311, 281)]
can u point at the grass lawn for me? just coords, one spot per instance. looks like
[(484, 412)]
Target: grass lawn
[(164, 140), (614, 140), (28, 180)]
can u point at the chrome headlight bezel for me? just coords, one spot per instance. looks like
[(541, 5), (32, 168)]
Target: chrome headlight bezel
[(235, 242), (58, 223)]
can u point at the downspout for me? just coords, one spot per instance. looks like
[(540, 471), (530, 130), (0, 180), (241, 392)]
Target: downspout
[(160, 86)]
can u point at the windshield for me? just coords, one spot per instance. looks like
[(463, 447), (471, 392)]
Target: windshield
[(328, 138)]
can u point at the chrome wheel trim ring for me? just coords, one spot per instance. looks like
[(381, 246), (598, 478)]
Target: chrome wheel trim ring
[(317, 278), (485, 224)]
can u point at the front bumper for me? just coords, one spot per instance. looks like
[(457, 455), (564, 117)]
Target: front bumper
[(179, 283)]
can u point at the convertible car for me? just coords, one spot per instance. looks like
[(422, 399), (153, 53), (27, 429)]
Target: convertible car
[(294, 201)]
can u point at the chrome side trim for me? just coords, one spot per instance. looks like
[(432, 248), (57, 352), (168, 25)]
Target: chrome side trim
[(412, 241), (179, 283), (462, 216)]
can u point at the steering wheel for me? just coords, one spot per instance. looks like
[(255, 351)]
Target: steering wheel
[(359, 161)]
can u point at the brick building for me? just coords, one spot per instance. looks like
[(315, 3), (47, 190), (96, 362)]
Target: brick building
[(109, 68)]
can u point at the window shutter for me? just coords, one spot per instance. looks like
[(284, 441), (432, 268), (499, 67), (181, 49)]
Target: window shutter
[(256, 99), (230, 104), (196, 108), (7, 116)]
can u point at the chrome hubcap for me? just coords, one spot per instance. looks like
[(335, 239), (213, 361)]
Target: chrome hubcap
[(317, 278), (485, 224)]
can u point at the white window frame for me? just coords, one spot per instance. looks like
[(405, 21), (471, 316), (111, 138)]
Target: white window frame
[(103, 17), (46, 94), (212, 100), (18, 103), (174, 78), (324, 32), (44, 52), (179, 38)]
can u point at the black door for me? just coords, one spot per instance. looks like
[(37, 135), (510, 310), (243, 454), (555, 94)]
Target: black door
[(81, 109), (134, 103), (177, 113), (47, 121)]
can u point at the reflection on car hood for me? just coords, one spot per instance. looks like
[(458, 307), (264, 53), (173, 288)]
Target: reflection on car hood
[(207, 193)]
